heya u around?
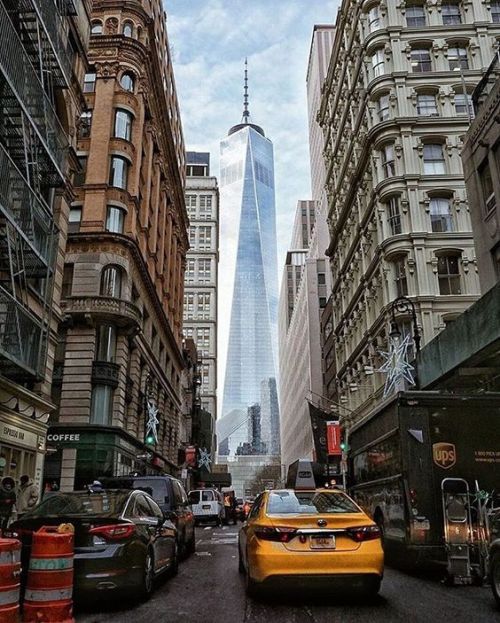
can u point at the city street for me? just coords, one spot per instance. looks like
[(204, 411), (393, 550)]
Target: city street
[(209, 588)]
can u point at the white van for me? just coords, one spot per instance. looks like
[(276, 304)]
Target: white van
[(207, 505)]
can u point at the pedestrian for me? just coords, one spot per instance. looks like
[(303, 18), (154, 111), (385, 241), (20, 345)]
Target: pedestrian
[(27, 495), (7, 501)]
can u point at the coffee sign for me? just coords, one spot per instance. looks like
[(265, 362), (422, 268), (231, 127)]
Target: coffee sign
[(444, 454)]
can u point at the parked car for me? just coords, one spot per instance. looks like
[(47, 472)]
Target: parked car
[(122, 539), (207, 505), (171, 497), (240, 515), (316, 538)]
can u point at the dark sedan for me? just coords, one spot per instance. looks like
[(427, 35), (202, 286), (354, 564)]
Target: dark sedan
[(122, 540)]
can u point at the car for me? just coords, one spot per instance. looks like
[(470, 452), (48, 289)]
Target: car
[(171, 497), (240, 515), (315, 537), (122, 539), (207, 505)]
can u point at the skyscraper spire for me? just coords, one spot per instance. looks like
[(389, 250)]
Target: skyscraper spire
[(246, 112)]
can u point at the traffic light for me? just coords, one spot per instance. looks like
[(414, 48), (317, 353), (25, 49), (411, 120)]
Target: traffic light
[(150, 439), (344, 446)]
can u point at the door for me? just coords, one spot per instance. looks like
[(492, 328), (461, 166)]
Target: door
[(179, 507), (165, 538), (184, 510), (148, 527)]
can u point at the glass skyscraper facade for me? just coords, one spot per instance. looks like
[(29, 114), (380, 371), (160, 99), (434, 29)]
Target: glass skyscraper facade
[(248, 208)]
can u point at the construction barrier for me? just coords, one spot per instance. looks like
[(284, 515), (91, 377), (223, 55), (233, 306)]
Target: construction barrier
[(10, 580), (49, 588)]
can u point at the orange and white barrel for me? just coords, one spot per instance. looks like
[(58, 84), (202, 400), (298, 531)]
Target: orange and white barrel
[(49, 588), (10, 580)]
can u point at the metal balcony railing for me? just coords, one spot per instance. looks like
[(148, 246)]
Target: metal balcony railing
[(24, 82), (26, 212), (486, 84)]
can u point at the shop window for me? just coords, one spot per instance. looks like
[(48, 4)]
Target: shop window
[(115, 220), (420, 60), (127, 81), (434, 163), (118, 174), (388, 162), (89, 82), (449, 274), (440, 212), (394, 216), (426, 105), (128, 29), (450, 12), (457, 58), (415, 16), (75, 219), (123, 124), (111, 281)]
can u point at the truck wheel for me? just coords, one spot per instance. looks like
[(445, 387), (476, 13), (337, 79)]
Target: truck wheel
[(495, 576)]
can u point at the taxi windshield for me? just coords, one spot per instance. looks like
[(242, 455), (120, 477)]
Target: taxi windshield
[(309, 503)]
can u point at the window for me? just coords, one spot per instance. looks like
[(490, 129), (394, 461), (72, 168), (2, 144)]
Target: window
[(463, 104), (394, 216), (383, 107), (451, 13), (457, 58), (96, 28), (89, 83), (102, 405), (127, 81), (118, 172), (192, 236), (388, 163), (67, 282), (204, 272), (487, 188), (111, 281), (85, 124), (448, 274), (75, 219), (374, 18), (128, 29), (495, 12), (79, 176), (440, 215), (203, 340), (378, 62), (426, 105), (115, 219), (203, 305), (190, 267), (321, 279), (205, 207), (204, 238), (106, 343), (415, 16), (123, 124), (420, 60), (189, 305), (400, 276), (434, 159)]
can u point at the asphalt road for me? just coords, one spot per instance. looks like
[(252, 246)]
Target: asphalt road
[(209, 589)]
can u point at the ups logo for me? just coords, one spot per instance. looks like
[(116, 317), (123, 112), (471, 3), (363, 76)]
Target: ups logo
[(444, 454)]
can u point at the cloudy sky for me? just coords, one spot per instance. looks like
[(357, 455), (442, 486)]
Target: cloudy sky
[(209, 40)]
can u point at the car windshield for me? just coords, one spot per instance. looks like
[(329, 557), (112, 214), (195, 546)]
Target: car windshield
[(194, 497), (309, 503), (106, 503), (157, 489), (207, 496)]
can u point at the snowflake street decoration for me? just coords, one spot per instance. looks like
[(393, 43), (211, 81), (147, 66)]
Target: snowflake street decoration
[(204, 460), (153, 422), (396, 364)]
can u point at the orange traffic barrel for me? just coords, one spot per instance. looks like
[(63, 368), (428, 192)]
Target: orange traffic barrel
[(49, 588), (10, 580)]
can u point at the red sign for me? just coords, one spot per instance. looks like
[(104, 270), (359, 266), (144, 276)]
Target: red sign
[(191, 456), (333, 438)]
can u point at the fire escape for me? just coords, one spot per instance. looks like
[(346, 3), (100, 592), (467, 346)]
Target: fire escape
[(34, 60)]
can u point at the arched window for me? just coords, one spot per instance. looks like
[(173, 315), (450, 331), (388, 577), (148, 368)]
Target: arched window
[(96, 28), (111, 281), (434, 162), (123, 124), (420, 59), (128, 29), (426, 105), (449, 273), (457, 57), (463, 104), (440, 212), (127, 81)]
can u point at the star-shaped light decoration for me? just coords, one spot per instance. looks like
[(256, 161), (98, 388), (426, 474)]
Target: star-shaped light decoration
[(396, 364), (204, 459), (153, 422)]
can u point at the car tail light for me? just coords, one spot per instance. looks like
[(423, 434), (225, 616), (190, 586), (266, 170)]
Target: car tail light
[(281, 534), (364, 533), (114, 532)]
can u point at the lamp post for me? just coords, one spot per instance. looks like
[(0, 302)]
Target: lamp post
[(403, 305)]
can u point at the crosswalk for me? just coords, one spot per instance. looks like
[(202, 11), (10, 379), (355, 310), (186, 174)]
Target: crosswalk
[(212, 535)]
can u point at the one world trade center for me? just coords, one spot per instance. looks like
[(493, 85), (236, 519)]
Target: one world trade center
[(248, 231)]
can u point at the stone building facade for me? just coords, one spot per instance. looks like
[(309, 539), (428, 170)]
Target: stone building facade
[(119, 358), (43, 59), (395, 108)]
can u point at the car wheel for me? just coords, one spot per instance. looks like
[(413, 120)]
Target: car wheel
[(148, 576), (191, 545), (495, 576), (241, 566), (250, 586)]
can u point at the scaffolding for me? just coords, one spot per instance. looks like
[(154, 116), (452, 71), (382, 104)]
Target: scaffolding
[(33, 151)]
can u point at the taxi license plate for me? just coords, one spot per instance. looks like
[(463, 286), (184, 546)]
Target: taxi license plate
[(322, 542)]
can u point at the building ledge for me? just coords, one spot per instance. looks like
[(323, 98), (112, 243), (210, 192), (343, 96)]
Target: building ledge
[(103, 309)]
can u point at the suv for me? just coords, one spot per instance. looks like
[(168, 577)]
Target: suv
[(170, 496)]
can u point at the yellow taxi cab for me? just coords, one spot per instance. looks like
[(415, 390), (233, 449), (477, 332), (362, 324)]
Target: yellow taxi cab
[(310, 537)]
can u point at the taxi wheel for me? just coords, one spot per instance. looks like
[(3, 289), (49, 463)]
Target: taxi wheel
[(241, 566)]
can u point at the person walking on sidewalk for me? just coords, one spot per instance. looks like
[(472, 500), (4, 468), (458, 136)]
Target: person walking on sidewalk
[(7, 502), (27, 495)]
